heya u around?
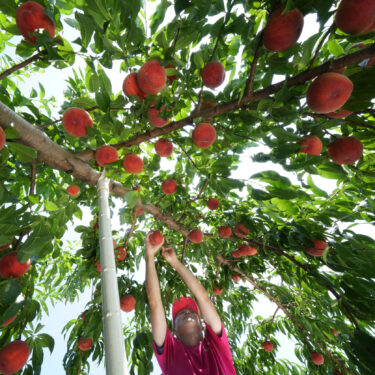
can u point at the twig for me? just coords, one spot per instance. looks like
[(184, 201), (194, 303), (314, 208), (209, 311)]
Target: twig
[(200, 193), (318, 48), (130, 233), (284, 309), (21, 65), (187, 155), (32, 177), (250, 82), (184, 249)]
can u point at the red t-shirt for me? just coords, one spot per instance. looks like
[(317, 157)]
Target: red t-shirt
[(211, 357)]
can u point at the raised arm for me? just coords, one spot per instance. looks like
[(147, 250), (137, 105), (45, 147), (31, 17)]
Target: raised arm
[(158, 321), (206, 307)]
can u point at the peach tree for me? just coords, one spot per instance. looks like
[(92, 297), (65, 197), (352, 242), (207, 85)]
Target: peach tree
[(210, 85)]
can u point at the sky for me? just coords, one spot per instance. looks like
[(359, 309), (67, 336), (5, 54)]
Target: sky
[(54, 83)]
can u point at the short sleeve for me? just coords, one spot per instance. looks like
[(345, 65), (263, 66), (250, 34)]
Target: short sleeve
[(167, 354)]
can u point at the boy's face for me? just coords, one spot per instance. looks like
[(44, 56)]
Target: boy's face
[(188, 328)]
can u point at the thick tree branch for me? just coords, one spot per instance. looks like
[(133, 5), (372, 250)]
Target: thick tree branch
[(303, 331)]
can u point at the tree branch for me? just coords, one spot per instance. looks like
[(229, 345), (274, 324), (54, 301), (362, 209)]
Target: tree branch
[(21, 65), (318, 48), (250, 82)]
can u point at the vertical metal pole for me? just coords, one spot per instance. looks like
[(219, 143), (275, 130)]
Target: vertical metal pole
[(114, 346)]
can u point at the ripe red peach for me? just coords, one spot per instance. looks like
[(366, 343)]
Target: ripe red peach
[(268, 346), (169, 186), (155, 119), (120, 253), (218, 291), (356, 16), (244, 250), (130, 86), (315, 252), (225, 231), (2, 138), (75, 121), (163, 147), (132, 163), (329, 92), (30, 17), (151, 77), (236, 278), (105, 155), (138, 212), (345, 150), (156, 238), (213, 74), (240, 230), (127, 303), (13, 357), (84, 344), (196, 236), (320, 245), (204, 135), (213, 204), (342, 113), (283, 30), (11, 267), (312, 145), (317, 358), (73, 190)]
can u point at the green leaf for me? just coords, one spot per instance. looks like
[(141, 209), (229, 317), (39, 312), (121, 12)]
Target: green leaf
[(335, 48), (11, 133), (46, 341), (24, 154), (86, 26), (131, 198), (9, 291)]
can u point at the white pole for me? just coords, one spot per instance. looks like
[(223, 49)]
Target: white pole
[(113, 337)]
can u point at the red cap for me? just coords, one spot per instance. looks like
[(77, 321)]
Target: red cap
[(184, 303)]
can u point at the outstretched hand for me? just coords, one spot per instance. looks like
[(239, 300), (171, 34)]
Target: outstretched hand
[(151, 250), (169, 254)]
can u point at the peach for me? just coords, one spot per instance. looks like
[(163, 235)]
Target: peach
[(329, 92), (127, 303), (132, 163), (217, 291), (5, 246), (13, 356), (156, 238), (341, 113), (283, 30), (315, 252), (2, 138), (169, 186), (75, 121), (73, 190), (236, 278), (244, 250), (151, 77), (213, 74), (98, 265), (105, 155), (268, 346), (334, 332), (312, 145), (138, 212), (130, 86), (225, 231), (163, 147), (213, 204), (320, 245), (11, 267), (356, 16), (240, 230), (30, 17), (120, 253), (204, 135), (196, 236), (155, 119), (171, 78), (84, 344), (317, 358), (345, 150)]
